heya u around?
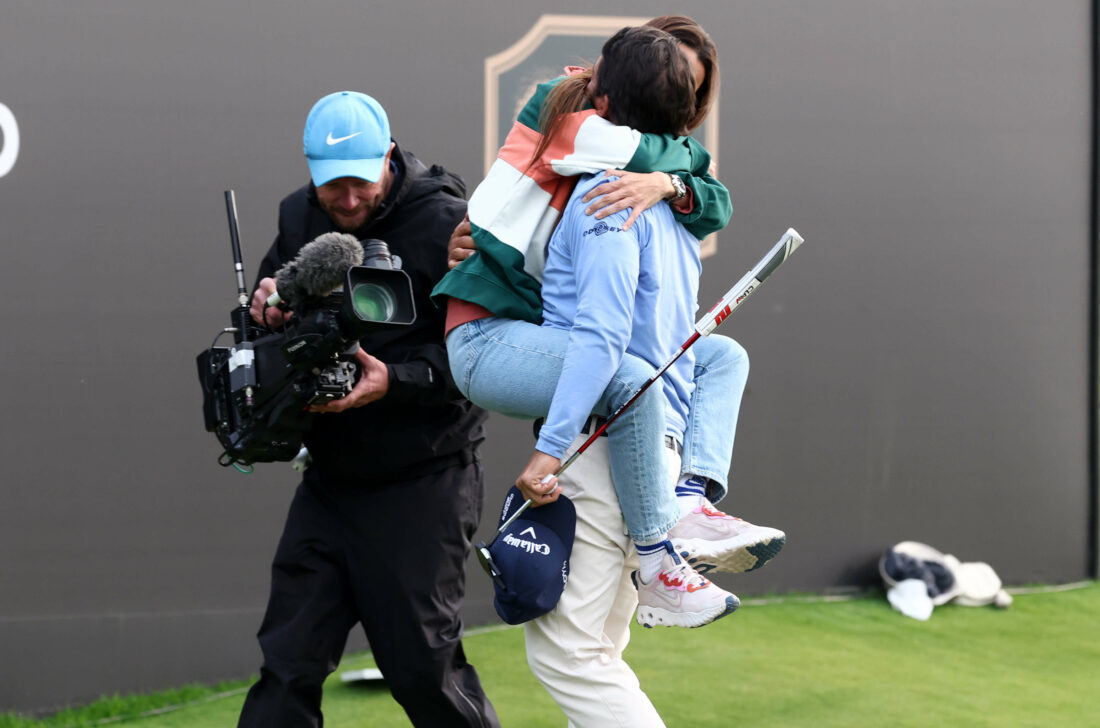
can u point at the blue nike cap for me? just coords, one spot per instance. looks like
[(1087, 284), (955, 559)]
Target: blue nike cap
[(532, 557), (347, 135)]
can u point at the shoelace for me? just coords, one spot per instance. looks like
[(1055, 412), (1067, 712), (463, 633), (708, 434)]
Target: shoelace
[(682, 577)]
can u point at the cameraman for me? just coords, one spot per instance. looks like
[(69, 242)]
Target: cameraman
[(380, 527)]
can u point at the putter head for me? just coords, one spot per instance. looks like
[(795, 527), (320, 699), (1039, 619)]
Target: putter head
[(485, 558)]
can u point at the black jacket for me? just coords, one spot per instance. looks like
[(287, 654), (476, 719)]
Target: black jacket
[(423, 424)]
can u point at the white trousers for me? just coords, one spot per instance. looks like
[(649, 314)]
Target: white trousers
[(576, 650)]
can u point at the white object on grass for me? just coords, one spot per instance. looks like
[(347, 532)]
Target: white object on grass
[(910, 597), (369, 674)]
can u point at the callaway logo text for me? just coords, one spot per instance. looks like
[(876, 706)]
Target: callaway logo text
[(529, 546)]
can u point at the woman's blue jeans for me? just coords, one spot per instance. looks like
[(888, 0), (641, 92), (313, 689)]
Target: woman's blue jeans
[(512, 367)]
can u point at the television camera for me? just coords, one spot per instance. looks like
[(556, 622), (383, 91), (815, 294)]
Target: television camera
[(257, 393)]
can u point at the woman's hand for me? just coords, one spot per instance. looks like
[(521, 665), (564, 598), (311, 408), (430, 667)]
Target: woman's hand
[(637, 190), (531, 481)]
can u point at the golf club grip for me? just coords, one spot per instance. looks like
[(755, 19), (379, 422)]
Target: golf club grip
[(749, 282)]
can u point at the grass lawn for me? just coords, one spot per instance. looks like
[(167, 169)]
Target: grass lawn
[(792, 663)]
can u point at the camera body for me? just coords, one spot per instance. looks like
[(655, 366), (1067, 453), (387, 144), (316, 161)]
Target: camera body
[(256, 393)]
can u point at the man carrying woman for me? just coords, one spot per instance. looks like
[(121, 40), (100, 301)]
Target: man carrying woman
[(615, 299)]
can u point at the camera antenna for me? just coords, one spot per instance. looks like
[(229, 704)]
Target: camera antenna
[(240, 315)]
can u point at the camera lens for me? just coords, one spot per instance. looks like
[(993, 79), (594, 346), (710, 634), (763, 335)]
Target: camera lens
[(373, 302)]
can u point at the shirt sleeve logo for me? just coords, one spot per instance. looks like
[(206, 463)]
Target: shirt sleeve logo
[(600, 228)]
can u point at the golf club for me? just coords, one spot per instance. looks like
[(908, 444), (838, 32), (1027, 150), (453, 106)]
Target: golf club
[(710, 321)]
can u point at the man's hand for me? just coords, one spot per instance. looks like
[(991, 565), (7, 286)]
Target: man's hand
[(530, 482), (275, 317), (373, 383), (461, 245), (636, 190)]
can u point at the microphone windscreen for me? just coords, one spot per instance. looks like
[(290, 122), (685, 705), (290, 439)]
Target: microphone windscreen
[(286, 282), (319, 268)]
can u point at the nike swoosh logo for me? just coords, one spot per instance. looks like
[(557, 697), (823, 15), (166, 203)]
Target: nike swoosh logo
[(330, 141)]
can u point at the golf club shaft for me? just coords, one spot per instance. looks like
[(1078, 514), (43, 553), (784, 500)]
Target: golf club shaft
[(718, 313)]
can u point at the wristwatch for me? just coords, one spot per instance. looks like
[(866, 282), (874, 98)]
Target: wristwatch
[(678, 185)]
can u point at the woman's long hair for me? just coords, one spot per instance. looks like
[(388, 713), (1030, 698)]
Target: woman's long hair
[(568, 97), (692, 35)]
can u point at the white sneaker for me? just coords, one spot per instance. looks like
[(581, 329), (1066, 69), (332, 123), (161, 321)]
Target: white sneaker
[(711, 540), (680, 597)]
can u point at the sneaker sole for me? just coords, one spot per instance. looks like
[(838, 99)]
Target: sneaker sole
[(734, 556), (650, 617)]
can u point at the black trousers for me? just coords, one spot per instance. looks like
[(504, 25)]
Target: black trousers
[(392, 558)]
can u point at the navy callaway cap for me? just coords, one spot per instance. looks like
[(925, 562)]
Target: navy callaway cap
[(532, 557)]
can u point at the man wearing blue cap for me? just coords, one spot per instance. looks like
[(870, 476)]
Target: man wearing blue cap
[(379, 529)]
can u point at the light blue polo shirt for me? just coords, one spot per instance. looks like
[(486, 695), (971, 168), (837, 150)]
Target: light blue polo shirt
[(618, 291)]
